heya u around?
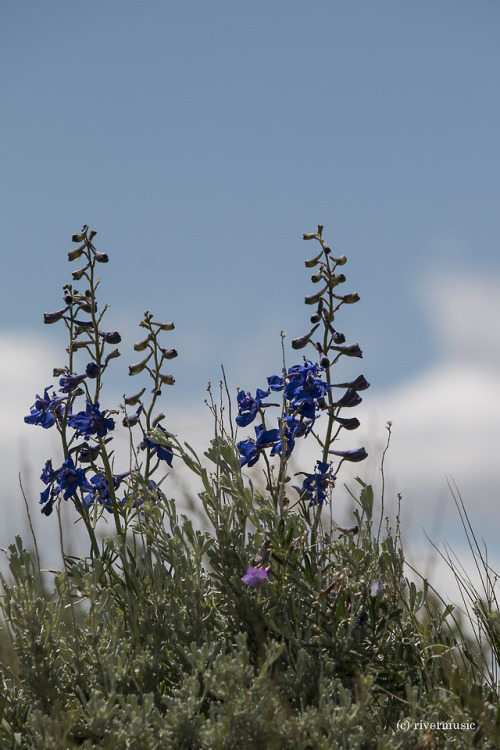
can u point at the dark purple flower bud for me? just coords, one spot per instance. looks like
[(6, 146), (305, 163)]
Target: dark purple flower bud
[(302, 341), (355, 455), (316, 278), (100, 257), (164, 326), (340, 261), (348, 423), (75, 345), (77, 275), (141, 345), (255, 577), (139, 367), (351, 350), (85, 325), (112, 355), (313, 261), (168, 353), (323, 359), (92, 370), (132, 419), (348, 299), (336, 279), (113, 337), (80, 237), (86, 453), (360, 384), (76, 253), (312, 299), (53, 317), (167, 379), (350, 398), (133, 400)]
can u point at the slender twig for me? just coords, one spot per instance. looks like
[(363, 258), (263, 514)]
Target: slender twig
[(30, 522)]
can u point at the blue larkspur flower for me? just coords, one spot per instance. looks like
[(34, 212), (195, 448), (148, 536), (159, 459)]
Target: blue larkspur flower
[(91, 421), (163, 452), (99, 490), (250, 450), (45, 410), (67, 480), (249, 406), (292, 428), (70, 382), (304, 389), (275, 383), (315, 485)]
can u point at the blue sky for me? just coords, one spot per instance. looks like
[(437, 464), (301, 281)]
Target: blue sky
[(202, 139)]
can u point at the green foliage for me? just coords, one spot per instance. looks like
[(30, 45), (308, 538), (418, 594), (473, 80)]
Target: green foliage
[(271, 628), (157, 643)]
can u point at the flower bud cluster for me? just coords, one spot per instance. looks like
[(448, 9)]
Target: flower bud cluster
[(308, 389), (85, 432)]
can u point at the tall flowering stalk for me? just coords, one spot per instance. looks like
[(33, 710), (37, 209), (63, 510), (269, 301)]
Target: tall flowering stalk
[(87, 476), (310, 396)]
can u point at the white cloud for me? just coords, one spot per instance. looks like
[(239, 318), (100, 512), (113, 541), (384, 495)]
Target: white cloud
[(445, 423)]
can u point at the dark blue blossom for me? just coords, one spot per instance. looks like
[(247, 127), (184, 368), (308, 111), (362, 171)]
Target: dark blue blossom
[(315, 486), (45, 410), (248, 452), (92, 370), (292, 428), (91, 421), (99, 490), (250, 449), (163, 452), (303, 387), (304, 390), (70, 478), (249, 406), (265, 438), (275, 383), (70, 382), (67, 479)]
